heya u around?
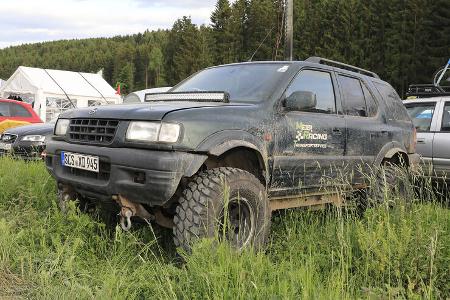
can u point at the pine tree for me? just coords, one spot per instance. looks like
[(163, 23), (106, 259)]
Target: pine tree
[(221, 33)]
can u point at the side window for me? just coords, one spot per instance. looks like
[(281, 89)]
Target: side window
[(421, 115), (4, 109), (395, 108), (20, 111), (354, 102), (371, 103), (446, 118), (320, 84)]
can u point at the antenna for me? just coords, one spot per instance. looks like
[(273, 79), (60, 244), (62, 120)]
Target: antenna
[(251, 58), (289, 9)]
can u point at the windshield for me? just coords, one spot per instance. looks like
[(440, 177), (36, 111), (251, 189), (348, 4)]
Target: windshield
[(244, 83)]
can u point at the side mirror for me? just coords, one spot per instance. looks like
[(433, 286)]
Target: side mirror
[(301, 100)]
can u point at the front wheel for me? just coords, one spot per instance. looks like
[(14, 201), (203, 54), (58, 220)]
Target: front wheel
[(227, 203)]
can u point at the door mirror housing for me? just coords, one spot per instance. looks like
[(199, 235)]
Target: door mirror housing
[(301, 101)]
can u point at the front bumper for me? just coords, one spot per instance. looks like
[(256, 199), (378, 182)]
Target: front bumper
[(25, 150), (146, 176)]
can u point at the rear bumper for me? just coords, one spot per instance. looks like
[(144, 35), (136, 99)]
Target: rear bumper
[(146, 176)]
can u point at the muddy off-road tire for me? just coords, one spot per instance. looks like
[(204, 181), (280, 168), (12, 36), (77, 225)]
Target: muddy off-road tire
[(391, 180), (239, 212)]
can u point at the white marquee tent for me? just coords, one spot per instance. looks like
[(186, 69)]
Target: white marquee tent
[(53, 91)]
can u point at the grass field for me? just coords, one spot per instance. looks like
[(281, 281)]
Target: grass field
[(402, 252)]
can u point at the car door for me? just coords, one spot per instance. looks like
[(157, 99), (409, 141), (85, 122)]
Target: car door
[(367, 132), (309, 144), (20, 113), (425, 121), (441, 142)]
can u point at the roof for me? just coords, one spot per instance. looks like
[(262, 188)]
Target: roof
[(30, 80)]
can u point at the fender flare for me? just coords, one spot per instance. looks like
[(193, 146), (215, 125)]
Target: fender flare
[(388, 151), (223, 141)]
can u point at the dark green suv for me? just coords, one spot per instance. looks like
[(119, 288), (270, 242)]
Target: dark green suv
[(230, 144)]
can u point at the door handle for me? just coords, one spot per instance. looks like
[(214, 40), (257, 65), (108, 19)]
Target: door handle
[(337, 131), (420, 141)]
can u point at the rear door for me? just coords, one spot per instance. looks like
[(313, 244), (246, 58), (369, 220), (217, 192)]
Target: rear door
[(424, 118), (366, 132), (441, 142)]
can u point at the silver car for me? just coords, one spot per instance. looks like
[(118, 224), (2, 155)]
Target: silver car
[(431, 117)]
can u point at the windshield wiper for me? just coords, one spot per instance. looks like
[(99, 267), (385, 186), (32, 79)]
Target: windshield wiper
[(203, 96)]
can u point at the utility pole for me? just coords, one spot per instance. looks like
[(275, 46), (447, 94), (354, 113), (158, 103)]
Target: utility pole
[(289, 13)]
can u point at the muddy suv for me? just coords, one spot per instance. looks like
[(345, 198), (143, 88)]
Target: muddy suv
[(227, 146)]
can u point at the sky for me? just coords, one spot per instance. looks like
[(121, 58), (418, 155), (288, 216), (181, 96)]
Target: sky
[(30, 21)]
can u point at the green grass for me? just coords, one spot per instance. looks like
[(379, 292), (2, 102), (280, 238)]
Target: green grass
[(402, 252)]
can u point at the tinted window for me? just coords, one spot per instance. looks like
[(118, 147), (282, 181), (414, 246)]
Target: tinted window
[(320, 84), (395, 109), (4, 109), (421, 115), (354, 102), (20, 111), (245, 82), (371, 103), (446, 118)]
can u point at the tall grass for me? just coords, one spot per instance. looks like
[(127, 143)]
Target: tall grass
[(397, 252)]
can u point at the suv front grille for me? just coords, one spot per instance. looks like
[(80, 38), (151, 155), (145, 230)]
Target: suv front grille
[(92, 131)]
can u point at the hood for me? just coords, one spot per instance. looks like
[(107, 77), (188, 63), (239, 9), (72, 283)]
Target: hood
[(142, 111), (35, 129)]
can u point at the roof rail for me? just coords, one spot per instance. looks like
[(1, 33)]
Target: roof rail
[(427, 91), (329, 62)]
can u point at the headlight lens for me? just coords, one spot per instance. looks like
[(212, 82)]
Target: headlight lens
[(61, 126), (153, 132), (33, 138)]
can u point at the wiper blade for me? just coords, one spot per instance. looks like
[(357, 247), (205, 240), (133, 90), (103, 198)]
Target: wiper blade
[(204, 96)]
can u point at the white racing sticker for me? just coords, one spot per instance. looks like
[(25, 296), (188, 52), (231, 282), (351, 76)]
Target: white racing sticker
[(283, 69), (304, 135)]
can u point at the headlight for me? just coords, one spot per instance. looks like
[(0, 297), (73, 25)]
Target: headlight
[(33, 138), (153, 132), (61, 126)]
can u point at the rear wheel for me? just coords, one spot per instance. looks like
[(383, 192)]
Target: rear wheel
[(227, 203), (391, 180)]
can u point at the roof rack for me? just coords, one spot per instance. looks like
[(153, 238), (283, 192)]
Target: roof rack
[(427, 91), (324, 61)]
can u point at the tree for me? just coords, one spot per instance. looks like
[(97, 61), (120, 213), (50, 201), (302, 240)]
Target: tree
[(221, 32), (155, 66)]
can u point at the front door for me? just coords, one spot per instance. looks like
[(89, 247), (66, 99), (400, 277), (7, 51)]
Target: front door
[(309, 145)]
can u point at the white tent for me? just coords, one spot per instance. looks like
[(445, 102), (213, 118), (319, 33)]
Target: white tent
[(1, 82), (54, 91)]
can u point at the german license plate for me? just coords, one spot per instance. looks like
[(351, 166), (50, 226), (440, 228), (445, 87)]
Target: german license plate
[(4, 146), (80, 161)]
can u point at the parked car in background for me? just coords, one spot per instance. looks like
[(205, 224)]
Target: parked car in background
[(14, 113), (431, 117), (27, 142)]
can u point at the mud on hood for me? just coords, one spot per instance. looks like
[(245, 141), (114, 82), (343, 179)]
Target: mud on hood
[(142, 111)]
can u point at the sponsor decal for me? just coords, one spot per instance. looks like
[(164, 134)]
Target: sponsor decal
[(305, 135)]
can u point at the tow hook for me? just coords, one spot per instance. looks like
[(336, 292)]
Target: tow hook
[(130, 209)]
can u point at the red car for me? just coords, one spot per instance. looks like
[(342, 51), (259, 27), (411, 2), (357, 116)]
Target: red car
[(13, 110)]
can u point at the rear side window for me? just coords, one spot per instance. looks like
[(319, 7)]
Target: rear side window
[(395, 109), (320, 84), (20, 111), (421, 115), (354, 102), (446, 118), (4, 109), (371, 103)]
